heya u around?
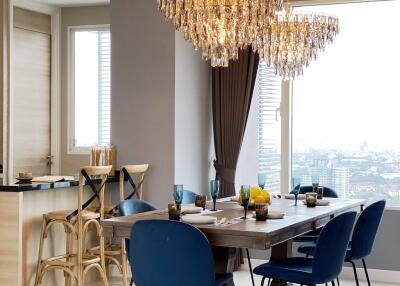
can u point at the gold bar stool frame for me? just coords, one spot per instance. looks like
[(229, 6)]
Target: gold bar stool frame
[(76, 223), (115, 251)]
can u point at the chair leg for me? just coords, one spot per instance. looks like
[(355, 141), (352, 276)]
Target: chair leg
[(131, 283), (337, 280), (366, 271), (355, 272), (251, 269), (269, 281), (40, 254), (333, 282), (124, 261), (262, 281)]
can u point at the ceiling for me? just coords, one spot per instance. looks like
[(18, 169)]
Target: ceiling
[(69, 3)]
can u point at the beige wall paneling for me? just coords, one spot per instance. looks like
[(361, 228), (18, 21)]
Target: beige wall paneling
[(74, 16)]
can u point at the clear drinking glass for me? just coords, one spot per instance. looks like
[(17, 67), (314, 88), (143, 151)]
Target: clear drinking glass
[(262, 177), (245, 195), (178, 195), (214, 191)]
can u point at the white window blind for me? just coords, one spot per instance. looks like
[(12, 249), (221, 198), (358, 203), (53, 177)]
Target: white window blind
[(268, 88), (104, 87)]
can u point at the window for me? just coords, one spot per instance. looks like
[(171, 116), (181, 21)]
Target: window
[(90, 88), (346, 106), (268, 91)]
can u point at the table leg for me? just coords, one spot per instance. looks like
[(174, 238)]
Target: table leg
[(279, 251), (225, 260)]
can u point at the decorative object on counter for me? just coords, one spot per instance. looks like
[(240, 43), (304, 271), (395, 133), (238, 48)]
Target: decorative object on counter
[(174, 213), (52, 179), (200, 201), (261, 211), (103, 156), (178, 196), (311, 200), (245, 196), (24, 176), (320, 193), (214, 191), (296, 184)]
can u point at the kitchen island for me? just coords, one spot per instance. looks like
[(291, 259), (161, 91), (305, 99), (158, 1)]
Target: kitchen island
[(21, 210)]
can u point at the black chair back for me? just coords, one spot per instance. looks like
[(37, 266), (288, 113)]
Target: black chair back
[(328, 192), (131, 207)]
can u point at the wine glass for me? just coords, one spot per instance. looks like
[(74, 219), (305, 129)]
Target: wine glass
[(296, 183), (245, 195), (214, 190), (262, 177), (315, 182), (178, 195)]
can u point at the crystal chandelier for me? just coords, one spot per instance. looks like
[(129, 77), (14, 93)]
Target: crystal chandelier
[(290, 40), (219, 27)]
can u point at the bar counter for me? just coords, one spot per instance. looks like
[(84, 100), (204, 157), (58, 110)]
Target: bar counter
[(21, 208)]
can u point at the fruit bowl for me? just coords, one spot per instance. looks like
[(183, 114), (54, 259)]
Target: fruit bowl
[(257, 195)]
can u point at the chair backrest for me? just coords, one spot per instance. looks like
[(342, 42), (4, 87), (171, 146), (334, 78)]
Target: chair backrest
[(328, 192), (365, 230), (189, 197), (170, 253), (331, 248), (140, 172), (131, 207)]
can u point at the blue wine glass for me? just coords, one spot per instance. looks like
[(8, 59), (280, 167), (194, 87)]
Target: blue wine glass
[(178, 195), (296, 183), (262, 177), (214, 191), (315, 182), (245, 195)]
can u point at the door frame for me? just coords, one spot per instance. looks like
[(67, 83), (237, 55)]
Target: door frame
[(55, 96)]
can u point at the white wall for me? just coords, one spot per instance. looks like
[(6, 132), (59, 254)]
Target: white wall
[(160, 100), (192, 117)]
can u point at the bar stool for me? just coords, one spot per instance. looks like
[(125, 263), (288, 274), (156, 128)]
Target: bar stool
[(113, 252), (76, 224)]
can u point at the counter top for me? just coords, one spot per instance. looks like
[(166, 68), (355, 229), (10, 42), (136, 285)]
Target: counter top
[(15, 186)]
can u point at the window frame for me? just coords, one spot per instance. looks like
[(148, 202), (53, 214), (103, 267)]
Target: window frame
[(71, 148), (287, 107)]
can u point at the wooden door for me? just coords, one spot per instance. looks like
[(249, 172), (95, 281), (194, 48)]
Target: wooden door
[(31, 84)]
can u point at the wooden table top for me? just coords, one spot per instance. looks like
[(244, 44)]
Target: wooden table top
[(249, 233)]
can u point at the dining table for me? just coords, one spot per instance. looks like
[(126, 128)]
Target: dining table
[(238, 233)]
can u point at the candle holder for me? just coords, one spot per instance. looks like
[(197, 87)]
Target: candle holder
[(173, 212), (311, 200), (200, 201), (261, 212), (320, 193)]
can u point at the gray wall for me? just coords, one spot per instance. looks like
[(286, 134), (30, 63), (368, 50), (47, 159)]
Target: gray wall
[(192, 117), (74, 16)]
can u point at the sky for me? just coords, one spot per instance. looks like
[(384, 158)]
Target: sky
[(351, 93)]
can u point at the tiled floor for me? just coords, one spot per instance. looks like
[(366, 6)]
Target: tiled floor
[(242, 278)]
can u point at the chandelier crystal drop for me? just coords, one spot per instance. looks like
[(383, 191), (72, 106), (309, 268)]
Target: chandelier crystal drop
[(289, 40), (219, 27)]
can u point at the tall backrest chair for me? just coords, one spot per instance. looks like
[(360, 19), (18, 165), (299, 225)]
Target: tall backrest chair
[(328, 192), (331, 248), (125, 174), (189, 197), (170, 253), (365, 230)]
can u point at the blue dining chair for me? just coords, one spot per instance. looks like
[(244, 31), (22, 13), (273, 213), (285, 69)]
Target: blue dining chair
[(362, 240), (312, 236), (189, 197), (131, 207), (172, 253), (328, 257)]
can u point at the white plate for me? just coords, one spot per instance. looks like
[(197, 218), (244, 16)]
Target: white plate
[(275, 214), (199, 219), (191, 209), (320, 203), (291, 196)]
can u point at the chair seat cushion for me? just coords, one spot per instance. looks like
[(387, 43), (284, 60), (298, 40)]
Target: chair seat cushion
[(293, 269), (222, 278)]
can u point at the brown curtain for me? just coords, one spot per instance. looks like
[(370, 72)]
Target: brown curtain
[(232, 91)]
